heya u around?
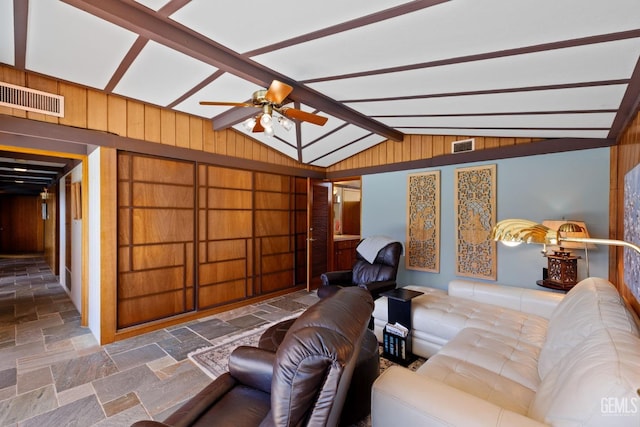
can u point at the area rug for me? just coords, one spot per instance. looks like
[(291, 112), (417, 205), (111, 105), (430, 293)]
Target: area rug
[(214, 360)]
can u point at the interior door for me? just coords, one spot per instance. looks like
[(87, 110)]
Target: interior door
[(319, 236)]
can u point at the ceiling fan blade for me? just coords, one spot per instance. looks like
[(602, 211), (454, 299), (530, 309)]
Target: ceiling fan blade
[(258, 127), (278, 92), (227, 104), (294, 113)]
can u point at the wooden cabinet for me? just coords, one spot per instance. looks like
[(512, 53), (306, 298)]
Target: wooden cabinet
[(344, 253)]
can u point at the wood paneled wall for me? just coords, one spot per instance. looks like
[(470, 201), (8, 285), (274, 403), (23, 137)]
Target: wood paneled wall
[(21, 224), (417, 147), (92, 109), (624, 157)]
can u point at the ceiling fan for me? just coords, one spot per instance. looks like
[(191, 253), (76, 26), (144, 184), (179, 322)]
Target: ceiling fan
[(269, 100)]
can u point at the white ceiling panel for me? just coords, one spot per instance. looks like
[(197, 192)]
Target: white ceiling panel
[(586, 120), (73, 45), (348, 151), (239, 25), (227, 88), (7, 51), (157, 67), (332, 142), (603, 61), (153, 4), (449, 30), (584, 98)]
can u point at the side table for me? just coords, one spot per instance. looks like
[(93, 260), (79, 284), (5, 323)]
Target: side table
[(398, 348)]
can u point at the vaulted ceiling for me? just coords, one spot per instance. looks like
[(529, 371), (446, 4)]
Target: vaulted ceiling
[(378, 69)]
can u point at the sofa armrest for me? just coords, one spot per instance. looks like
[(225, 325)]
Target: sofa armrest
[(252, 366), (342, 277), (404, 398), (532, 301)]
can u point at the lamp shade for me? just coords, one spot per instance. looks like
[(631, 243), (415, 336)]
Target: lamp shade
[(555, 224)]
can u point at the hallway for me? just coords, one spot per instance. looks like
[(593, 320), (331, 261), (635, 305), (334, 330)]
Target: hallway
[(54, 373)]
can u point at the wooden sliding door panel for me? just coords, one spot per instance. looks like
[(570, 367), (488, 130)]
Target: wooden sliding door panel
[(164, 305), (276, 281), (222, 293), (158, 171), (142, 283), (272, 223), (227, 249), (222, 271), (156, 234), (162, 196), (274, 245), (157, 256), (229, 224), (150, 226), (226, 232)]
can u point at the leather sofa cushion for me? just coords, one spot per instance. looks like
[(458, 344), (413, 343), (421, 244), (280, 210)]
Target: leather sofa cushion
[(478, 381), (595, 385), (438, 314), (511, 358), (591, 305)]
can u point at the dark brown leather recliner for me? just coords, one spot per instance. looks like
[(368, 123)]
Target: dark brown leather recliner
[(378, 277), (304, 383)]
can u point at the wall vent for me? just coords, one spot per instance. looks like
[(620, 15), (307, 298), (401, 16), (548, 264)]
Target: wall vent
[(23, 98), (462, 146)]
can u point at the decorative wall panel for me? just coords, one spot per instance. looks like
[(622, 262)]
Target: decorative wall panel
[(423, 222), (475, 210), (632, 229)]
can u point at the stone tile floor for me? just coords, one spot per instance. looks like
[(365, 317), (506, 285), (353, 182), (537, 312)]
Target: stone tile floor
[(54, 373)]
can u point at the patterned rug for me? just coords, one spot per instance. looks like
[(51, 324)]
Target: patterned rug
[(214, 360)]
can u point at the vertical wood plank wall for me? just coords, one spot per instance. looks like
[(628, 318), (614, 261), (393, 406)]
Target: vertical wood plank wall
[(418, 147), (624, 157)]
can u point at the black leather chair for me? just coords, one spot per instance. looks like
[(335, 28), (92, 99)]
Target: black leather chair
[(376, 277), (304, 383)]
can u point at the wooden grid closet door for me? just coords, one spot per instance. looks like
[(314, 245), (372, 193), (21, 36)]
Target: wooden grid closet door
[(156, 234)]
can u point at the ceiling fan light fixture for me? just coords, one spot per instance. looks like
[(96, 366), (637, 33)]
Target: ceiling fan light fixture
[(249, 124), (266, 120), (285, 123), (268, 131)]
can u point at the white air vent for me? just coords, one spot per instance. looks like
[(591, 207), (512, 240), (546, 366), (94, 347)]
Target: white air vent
[(462, 146), (27, 99)]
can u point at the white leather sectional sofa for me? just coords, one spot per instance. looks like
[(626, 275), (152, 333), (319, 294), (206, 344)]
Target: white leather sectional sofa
[(505, 356)]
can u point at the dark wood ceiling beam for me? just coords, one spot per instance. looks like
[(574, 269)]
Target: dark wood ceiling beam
[(20, 25), (179, 38), (559, 86), (629, 106)]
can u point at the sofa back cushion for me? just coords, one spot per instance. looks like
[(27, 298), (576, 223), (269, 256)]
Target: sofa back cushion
[(532, 301), (592, 305), (596, 385)]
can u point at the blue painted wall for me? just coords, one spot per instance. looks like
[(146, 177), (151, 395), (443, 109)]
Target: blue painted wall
[(573, 185)]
